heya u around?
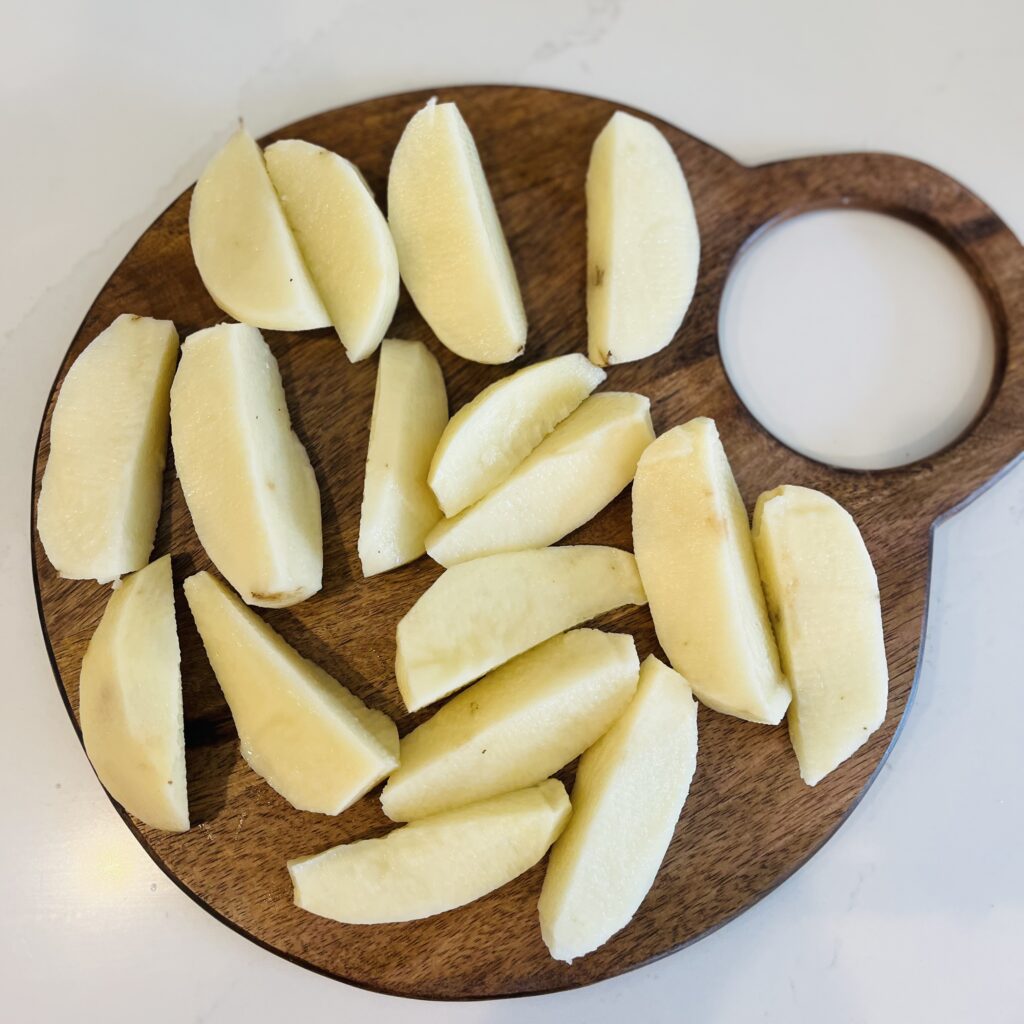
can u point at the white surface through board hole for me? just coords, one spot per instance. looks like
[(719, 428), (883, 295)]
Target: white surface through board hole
[(856, 338)]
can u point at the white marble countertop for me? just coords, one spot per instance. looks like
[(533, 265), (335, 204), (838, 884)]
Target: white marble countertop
[(915, 910)]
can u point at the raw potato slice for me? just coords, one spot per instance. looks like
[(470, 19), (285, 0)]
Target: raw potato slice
[(343, 237), (410, 410), (316, 743), (490, 436), (482, 613), (823, 597), (643, 248), (243, 248), (451, 250), (246, 477), (130, 700), (520, 724), (435, 864), (562, 484), (696, 558), (630, 787), (100, 497)]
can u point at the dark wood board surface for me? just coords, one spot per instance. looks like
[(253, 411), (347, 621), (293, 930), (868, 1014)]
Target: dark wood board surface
[(749, 821)]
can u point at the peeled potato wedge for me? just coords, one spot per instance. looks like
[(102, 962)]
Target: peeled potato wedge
[(130, 700), (518, 725), (486, 439), (452, 253), (244, 250), (410, 410), (630, 788), (480, 614), (246, 477), (643, 247), (696, 558), (315, 743), (343, 238), (435, 864), (100, 498), (823, 598), (563, 483)]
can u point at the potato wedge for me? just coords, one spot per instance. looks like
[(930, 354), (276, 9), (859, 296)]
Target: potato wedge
[(630, 788), (315, 743), (693, 547), (523, 722), (102, 488), (480, 614), (244, 250), (410, 410), (343, 237), (643, 247), (487, 438), (563, 483), (246, 476), (823, 598), (452, 253), (435, 864), (130, 700)]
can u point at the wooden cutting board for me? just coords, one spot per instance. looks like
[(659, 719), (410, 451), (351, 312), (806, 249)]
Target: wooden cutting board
[(749, 822)]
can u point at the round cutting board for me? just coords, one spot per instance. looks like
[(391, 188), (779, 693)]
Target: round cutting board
[(749, 821)]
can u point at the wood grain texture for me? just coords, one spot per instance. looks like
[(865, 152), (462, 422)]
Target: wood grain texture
[(749, 821)]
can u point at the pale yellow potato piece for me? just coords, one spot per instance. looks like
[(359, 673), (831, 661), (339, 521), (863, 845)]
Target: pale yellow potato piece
[(435, 864), (480, 614), (823, 598), (244, 250), (696, 558), (518, 725), (563, 483), (343, 237), (487, 438), (451, 250), (630, 788), (643, 247), (410, 410), (315, 743), (100, 498), (130, 700), (246, 477)]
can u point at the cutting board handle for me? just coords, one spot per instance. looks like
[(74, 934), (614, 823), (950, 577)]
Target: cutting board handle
[(984, 244)]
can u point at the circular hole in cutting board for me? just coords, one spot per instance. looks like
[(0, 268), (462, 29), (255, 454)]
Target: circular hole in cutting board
[(856, 339)]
